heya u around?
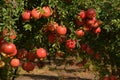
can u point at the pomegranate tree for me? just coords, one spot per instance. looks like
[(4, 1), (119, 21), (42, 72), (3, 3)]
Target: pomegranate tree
[(34, 31)]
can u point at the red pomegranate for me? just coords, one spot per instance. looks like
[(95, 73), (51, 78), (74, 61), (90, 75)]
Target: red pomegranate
[(70, 44), (41, 53), (15, 62), (28, 66), (8, 48)]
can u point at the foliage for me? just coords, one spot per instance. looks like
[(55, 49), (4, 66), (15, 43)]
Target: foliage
[(31, 34)]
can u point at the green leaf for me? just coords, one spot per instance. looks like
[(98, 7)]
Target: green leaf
[(27, 27), (107, 28)]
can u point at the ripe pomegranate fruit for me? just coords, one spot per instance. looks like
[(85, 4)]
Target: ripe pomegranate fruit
[(61, 30), (90, 13), (52, 26), (70, 44), (8, 48), (15, 62), (97, 30), (82, 14), (36, 14), (41, 53), (47, 11), (80, 33), (28, 66), (52, 37), (26, 15)]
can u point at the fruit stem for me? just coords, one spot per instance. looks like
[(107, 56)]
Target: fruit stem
[(15, 73)]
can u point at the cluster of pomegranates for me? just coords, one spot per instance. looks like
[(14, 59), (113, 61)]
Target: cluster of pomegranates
[(9, 49), (19, 56), (55, 32), (28, 59), (37, 13), (22, 56), (86, 20)]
